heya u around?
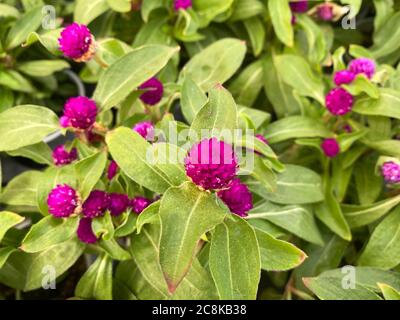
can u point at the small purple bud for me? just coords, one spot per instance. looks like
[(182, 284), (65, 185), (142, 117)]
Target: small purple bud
[(145, 129), (299, 6), (364, 66), (85, 232), (96, 204), (62, 201), (325, 12), (154, 91), (343, 77), (112, 170), (182, 4), (118, 203), (62, 157), (79, 113), (391, 172), (238, 198), (138, 204), (330, 147)]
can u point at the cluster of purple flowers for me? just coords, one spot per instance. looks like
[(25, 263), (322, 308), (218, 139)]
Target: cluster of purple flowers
[(64, 201), (212, 165), (391, 172)]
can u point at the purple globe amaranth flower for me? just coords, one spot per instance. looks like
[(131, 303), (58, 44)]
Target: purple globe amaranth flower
[(79, 113), (62, 157), (85, 232), (391, 172), (343, 77), (77, 43), (118, 203), (154, 91), (330, 147), (145, 129), (63, 201), (339, 101), (261, 138), (325, 12), (298, 6), (363, 66), (211, 164), (138, 204), (112, 170), (96, 204), (238, 198), (182, 4)]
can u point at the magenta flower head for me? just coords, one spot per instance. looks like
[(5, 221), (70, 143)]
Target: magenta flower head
[(118, 203), (96, 204), (343, 77), (363, 65), (330, 147), (154, 91), (299, 6), (391, 172), (339, 101), (238, 198), (211, 164), (325, 12), (79, 113), (112, 170), (77, 43), (63, 201), (145, 129), (182, 4), (62, 157), (138, 204), (85, 232)]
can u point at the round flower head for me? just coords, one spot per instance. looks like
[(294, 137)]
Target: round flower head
[(330, 147), (96, 204), (325, 12), (145, 129), (85, 232), (62, 157), (298, 6), (76, 42), (154, 91), (391, 172), (118, 203), (339, 101), (211, 164), (364, 66), (238, 198), (182, 4), (79, 113), (138, 204), (343, 77), (112, 170), (62, 201)]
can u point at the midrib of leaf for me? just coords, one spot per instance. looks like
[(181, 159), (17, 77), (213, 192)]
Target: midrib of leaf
[(273, 213), (356, 213), (248, 83), (229, 258), (393, 238)]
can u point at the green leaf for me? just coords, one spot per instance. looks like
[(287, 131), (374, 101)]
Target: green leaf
[(7, 221), (387, 105), (358, 216), (103, 227), (330, 213), (96, 282), (14, 80), (296, 185), (48, 232), (278, 255), (48, 39), (133, 155), (215, 64), (21, 191), (6, 251), (114, 250), (129, 72), (25, 125), (368, 185), (388, 292), (244, 9), (363, 84), (186, 214), (297, 220), (89, 172), (39, 152), (148, 216), (281, 17), (42, 68), (86, 11), (256, 31), (382, 249), (192, 99), (209, 9), (295, 127), (246, 87), (120, 5), (235, 260), (386, 37), (297, 73), (28, 23), (8, 11), (148, 6), (218, 114)]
